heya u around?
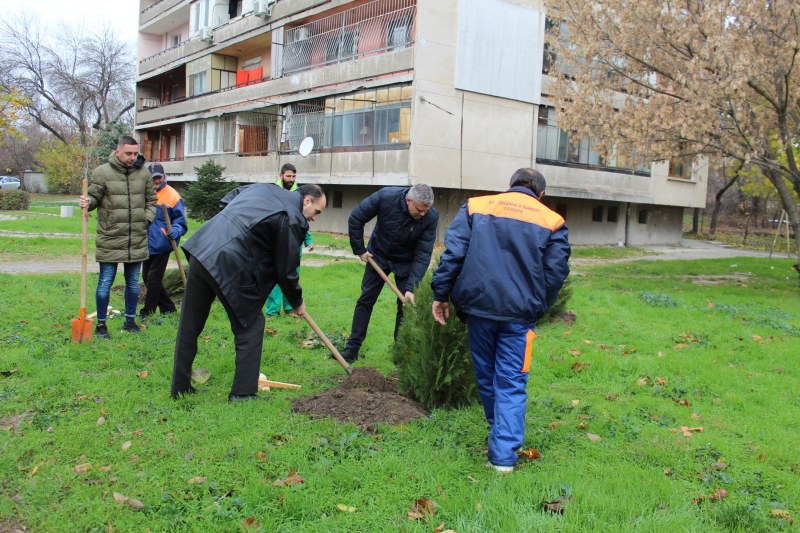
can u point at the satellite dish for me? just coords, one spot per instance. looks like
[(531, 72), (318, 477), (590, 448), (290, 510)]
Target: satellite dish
[(306, 146)]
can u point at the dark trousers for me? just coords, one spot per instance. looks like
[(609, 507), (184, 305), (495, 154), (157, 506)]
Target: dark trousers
[(201, 289), (371, 286), (153, 274)]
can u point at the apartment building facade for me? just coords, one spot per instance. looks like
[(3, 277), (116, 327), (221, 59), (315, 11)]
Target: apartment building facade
[(452, 93)]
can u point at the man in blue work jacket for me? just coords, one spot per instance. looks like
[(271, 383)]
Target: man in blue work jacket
[(505, 261)]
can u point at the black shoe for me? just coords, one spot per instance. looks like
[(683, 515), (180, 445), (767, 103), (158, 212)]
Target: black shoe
[(131, 326), (178, 394), (101, 332), (144, 313), (348, 356), (244, 397)]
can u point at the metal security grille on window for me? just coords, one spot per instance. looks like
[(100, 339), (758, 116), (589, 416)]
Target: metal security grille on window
[(304, 119), (377, 26)]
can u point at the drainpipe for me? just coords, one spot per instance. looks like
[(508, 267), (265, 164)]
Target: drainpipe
[(627, 224)]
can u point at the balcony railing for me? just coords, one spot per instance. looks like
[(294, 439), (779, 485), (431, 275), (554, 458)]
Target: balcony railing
[(375, 27)]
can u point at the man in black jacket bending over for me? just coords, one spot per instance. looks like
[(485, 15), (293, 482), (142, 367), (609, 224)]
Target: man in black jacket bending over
[(238, 256), (401, 242)]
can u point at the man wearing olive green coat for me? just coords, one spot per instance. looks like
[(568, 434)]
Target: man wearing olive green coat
[(122, 192)]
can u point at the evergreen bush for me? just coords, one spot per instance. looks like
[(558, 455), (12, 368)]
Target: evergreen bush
[(13, 200), (434, 363), (202, 197)]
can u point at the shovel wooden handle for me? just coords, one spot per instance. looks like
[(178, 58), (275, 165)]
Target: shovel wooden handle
[(386, 279), (84, 238), (328, 343), (174, 244)]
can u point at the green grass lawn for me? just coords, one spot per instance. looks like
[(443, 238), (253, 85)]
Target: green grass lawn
[(677, 381)]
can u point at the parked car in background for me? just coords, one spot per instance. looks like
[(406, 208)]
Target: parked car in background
[(9, 182)]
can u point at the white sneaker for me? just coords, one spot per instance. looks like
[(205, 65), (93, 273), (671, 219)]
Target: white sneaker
[(501, 469)]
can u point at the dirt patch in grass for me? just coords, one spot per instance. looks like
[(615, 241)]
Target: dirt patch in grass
[(366, 398)]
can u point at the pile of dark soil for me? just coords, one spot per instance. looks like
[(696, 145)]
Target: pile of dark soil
[(365, 398)]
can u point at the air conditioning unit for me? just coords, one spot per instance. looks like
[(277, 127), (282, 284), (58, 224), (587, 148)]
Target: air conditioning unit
[(205, 34), (263, 8)]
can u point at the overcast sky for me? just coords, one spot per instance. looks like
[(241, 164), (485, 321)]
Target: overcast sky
[(121, 15)]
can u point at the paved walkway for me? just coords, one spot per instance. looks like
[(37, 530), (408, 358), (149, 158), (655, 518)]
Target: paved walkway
[(688, 249)]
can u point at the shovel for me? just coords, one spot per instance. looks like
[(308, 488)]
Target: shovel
[(174, 245), (82, 326), (328, 343), (385, 278)]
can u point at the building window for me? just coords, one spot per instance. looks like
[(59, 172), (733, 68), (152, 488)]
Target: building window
[(553, 144), (680, 167), (198, 83), (376, 117), (258, 132), (304, 119), (398, 33), (224, 134), (196, 136), (199, 15), (612, 214), (597, 214), (337, 199), (341, 47), (643, 216)]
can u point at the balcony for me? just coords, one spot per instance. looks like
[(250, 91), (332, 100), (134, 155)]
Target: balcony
[(373, 28)]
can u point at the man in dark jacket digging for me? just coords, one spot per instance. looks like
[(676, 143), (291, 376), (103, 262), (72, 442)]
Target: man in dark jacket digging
[(238, 256), (401, 242), (122, 192)]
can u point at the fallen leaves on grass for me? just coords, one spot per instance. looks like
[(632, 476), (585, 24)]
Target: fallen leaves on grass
[(83, 467), (130, 502), (422, 509), (200, 375), (101, 421), (530, 454), (579, 366), (250, 523), (557, 506), (682, 401), (345, 508), (594, 438), (574, 352), (783, 515), (440, 529), (291, 479), (611, 397), (197, 480), (143, 374), (127, 444), (717, 495), (686, 430)]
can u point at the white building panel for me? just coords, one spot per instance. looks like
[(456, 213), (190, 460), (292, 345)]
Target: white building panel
[(500, 48)]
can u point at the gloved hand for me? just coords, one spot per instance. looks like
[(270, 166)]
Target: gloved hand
[(174, 234)]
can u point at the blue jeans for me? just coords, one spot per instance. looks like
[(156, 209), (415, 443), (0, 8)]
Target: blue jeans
[(501, 354), (108, 271)]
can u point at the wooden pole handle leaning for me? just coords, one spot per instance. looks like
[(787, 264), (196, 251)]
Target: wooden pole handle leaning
[(84, 238), (174, 244), (328, 343), (276, 384), (386, 279)]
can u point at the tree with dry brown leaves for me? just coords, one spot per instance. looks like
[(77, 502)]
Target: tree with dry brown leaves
[(664, 79)]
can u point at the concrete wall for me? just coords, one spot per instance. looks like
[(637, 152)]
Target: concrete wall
[(34, 182)]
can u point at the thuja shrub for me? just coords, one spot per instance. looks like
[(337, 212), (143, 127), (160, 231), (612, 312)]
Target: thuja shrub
[(434, 365), (202, 197), (13, 200)]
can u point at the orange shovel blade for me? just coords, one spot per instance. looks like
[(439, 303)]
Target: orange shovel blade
[(82, 330)]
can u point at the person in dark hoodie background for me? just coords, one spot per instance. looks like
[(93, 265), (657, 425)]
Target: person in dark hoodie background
[(122, 192), (159, 245)]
